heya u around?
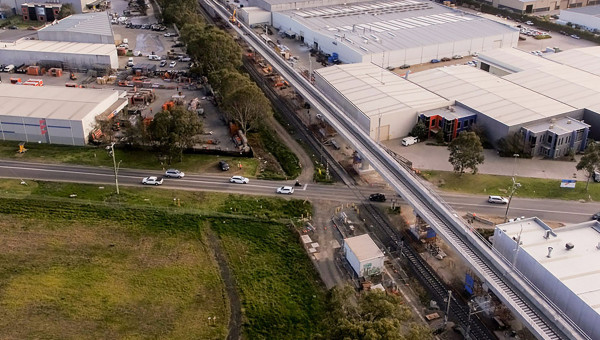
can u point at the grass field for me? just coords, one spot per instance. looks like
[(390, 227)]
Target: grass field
[(498, 185), (91, 268), (97, 156), (281, 293), (68, 273)]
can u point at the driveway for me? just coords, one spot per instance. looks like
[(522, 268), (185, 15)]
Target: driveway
[(430, 157)]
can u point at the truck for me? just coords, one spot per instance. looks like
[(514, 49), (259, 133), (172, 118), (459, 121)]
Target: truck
[(406, 141)]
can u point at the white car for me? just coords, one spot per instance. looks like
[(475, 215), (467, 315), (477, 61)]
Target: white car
[(529, 23), (239, 180), (152, 180), (172, 64), (286, 190), (498, 199), (167, 34), (174, 173)]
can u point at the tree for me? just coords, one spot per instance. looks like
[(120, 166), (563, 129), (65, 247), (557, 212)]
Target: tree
[(136, 133), (420, 131), (65, 11), (466, 152), (590, 162), (511, 144), (247, 105), (180, 12), (175, 130), (211, 47), (371, 315)]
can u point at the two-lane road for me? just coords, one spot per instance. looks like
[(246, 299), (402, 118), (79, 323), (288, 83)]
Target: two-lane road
[(551, 210)]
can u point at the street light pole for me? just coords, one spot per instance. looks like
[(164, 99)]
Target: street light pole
[(513, 188), (115, 165)]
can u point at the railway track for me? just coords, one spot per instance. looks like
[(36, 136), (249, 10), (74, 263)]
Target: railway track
[(542, 317)]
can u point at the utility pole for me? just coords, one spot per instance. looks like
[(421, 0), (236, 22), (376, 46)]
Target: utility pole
[(513, 189), (447, 308), (115, 165)]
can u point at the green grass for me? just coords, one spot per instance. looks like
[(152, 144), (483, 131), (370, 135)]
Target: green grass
[(281, 292), (97, 156), (18, 21), (498, 185), (78, 272), (98, 267)]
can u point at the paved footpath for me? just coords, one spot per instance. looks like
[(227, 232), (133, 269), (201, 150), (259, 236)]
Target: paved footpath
[(432, 157)]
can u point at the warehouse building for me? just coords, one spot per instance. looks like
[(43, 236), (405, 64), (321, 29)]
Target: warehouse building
[(364, 256), (560, 262), (585, 59), (40, 12), (393, 33), (588, 17), (535, 6), (79, 6), (53, 114), (70, 54), (383, 104), (501, 62), (94, 28)]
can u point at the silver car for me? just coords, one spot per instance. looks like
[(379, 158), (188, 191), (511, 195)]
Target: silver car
[(239, 180), (497, 199)]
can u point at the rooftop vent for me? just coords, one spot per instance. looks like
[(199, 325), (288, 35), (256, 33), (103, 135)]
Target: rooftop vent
[(547, 234), (549, 252), (569, 121), (569, 246)]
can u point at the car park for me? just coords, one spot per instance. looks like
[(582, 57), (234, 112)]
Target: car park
[(223, 166), (497, 199), (378, 197), (285, 190), (152, 180), (174, 173), (172, 64), (239, 180)]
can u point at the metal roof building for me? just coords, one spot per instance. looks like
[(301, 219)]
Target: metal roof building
[(92, 28), (384, 104), (563, 263), (505, 61), (393, 33), (503, 106), (585, 59), (53, 114), (74, 54), (584, 16)]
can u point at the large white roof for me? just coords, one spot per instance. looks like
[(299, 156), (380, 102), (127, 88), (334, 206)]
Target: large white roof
[(377, 26), (60, 47), (578, 268), (513, 60), (586, 59), (52, 102), (376, 91), (90, 23), (363, 247), (495, 97), (568, 85)]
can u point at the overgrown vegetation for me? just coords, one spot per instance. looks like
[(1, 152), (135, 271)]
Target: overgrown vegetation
[(287, 159), (281, 294)]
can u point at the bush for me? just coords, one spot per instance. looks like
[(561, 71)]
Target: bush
[(287, 159)]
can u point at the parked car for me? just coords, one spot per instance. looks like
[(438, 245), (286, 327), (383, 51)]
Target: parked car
[(174, 173), (163, 63), (575, 36), (410, 140), (405, 66), (239, 180), (596, 216), (378, 197), (434, 61), (457, 56), (286, 190), (223, 165), (172, 64), (152, 180), (446, 59), (529, 23), (497, 199), (167, 34), (130, 62), (563, 33)]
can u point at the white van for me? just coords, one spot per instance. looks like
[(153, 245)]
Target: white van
[(406, 141), (130, 62)]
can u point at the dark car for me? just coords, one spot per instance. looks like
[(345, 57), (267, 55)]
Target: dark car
[(223, 165), (596, 216), (377, 197), (434, 61), (446, 59), (405, 66)]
